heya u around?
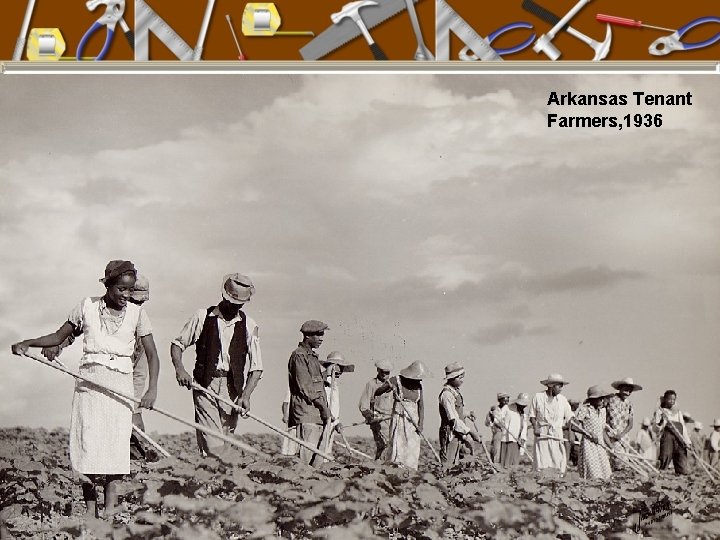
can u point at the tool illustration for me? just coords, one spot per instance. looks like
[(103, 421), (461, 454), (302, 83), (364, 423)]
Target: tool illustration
[(447, 20), (45, 44), (352, 11), (628, 22), (114, 10), (422, 53), (667, 44), (466, 54), (147, 20), (241, 56), (544, 43), (263, 19), (346, 30), (20, 44)]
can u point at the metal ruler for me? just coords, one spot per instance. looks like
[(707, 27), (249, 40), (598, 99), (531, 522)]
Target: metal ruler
[(346, 30), (146, 20), (447, 19)]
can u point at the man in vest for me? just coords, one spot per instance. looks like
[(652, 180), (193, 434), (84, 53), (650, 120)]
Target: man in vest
[(454, 432), (228, 360), (309, 409)]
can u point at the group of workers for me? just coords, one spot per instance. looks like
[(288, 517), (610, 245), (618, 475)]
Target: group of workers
[(119, 353)]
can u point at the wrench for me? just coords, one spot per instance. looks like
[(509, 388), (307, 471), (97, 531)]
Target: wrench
[(422, 52)]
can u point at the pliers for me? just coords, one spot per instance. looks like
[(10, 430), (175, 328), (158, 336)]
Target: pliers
[(465, 55), (114, 11), (667, 44)]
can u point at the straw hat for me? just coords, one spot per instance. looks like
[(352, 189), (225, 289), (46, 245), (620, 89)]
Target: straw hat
[(141, 291), (646, 421), (716, 422), (384, 365), (554, 378), (627, 381), (522, 399), (237, 289), (687, 417), (454, 370), (598, 391), (501, 395), (699, 426), (415, 371), (338, 359)]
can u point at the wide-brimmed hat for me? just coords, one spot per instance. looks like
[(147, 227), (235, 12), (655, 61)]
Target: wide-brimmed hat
[(501, 395), (627, 381), (716, 422), (598, 391), (415, 371), (688, 417), (237, 288), (522, 399), (454, 370), (646, 421), (699, 426), (338, 359), (313, 327), (384, 365), (117, 268), (554, 378), (141, 291)]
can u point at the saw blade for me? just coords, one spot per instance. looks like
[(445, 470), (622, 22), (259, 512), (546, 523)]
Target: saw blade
[(346, 30)]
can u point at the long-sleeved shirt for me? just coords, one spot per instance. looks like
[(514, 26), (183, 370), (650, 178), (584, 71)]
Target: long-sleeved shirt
[(515, 426), (449, 404), (192, 329), (496, 416), (369, 403), (550, 413), (308, 402), (663, 415), (715, 441)]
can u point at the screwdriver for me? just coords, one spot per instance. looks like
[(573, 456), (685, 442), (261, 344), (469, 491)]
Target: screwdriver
[(242, 56), (628, 22)]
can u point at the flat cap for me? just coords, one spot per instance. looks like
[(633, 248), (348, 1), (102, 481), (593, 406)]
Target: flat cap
[(312, 326)]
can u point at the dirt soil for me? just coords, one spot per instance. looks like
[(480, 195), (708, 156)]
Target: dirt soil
[(246, 496)]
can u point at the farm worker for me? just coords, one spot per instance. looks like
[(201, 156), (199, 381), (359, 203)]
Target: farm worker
[(572, 440), (674, 439), (514, 431), (549, 412), (228, 361), (309, 409), (288, 447), (140, 295), (377, 410), (335, 365), (698, 441), (591, 418), (620, 416), (454, 431), (101, 423), (408, 415), (494, 420), (713, 444), (645, 441)]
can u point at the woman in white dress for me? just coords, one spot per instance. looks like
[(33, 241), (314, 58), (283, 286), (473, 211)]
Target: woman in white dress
[(101, 422)]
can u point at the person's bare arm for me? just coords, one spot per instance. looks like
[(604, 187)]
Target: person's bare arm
[(148, 343), (49, 340)]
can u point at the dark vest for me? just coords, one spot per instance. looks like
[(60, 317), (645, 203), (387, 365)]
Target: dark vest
[(444, 419), (208, 349)]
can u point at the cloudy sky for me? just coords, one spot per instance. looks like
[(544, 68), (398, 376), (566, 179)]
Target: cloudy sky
[(423, 218)]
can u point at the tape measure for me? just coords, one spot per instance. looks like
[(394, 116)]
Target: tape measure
[(45, 45)]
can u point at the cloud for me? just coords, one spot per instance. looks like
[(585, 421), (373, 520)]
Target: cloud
[(506, 331)]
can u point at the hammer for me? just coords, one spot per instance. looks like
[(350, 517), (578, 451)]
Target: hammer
[(352, 10), (601, 49), (544, 42)]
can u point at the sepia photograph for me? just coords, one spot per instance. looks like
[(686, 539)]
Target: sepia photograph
[(359, 306)]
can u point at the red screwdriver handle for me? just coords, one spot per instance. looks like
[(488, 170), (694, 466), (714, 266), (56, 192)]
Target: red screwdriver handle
[(617, 20)]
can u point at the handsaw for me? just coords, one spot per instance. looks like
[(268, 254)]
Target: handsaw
[(339, 34)]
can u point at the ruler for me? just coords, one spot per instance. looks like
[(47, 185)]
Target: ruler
[(446, 20), (146, 21)]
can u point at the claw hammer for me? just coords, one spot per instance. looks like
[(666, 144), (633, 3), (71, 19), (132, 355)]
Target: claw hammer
[(544, 42)]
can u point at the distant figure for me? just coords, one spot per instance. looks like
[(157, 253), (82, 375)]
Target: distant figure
[(494, 420), (227, 361), (674, 439), (377, 409), (288, 447), (698, 440), (101, 423), (549, 413), (620, 415), (454, 431), (713, 445), (408, 415), (572, 439), (335, 365), (594, 462), (309, 409), (514, 427), (645, 442)]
